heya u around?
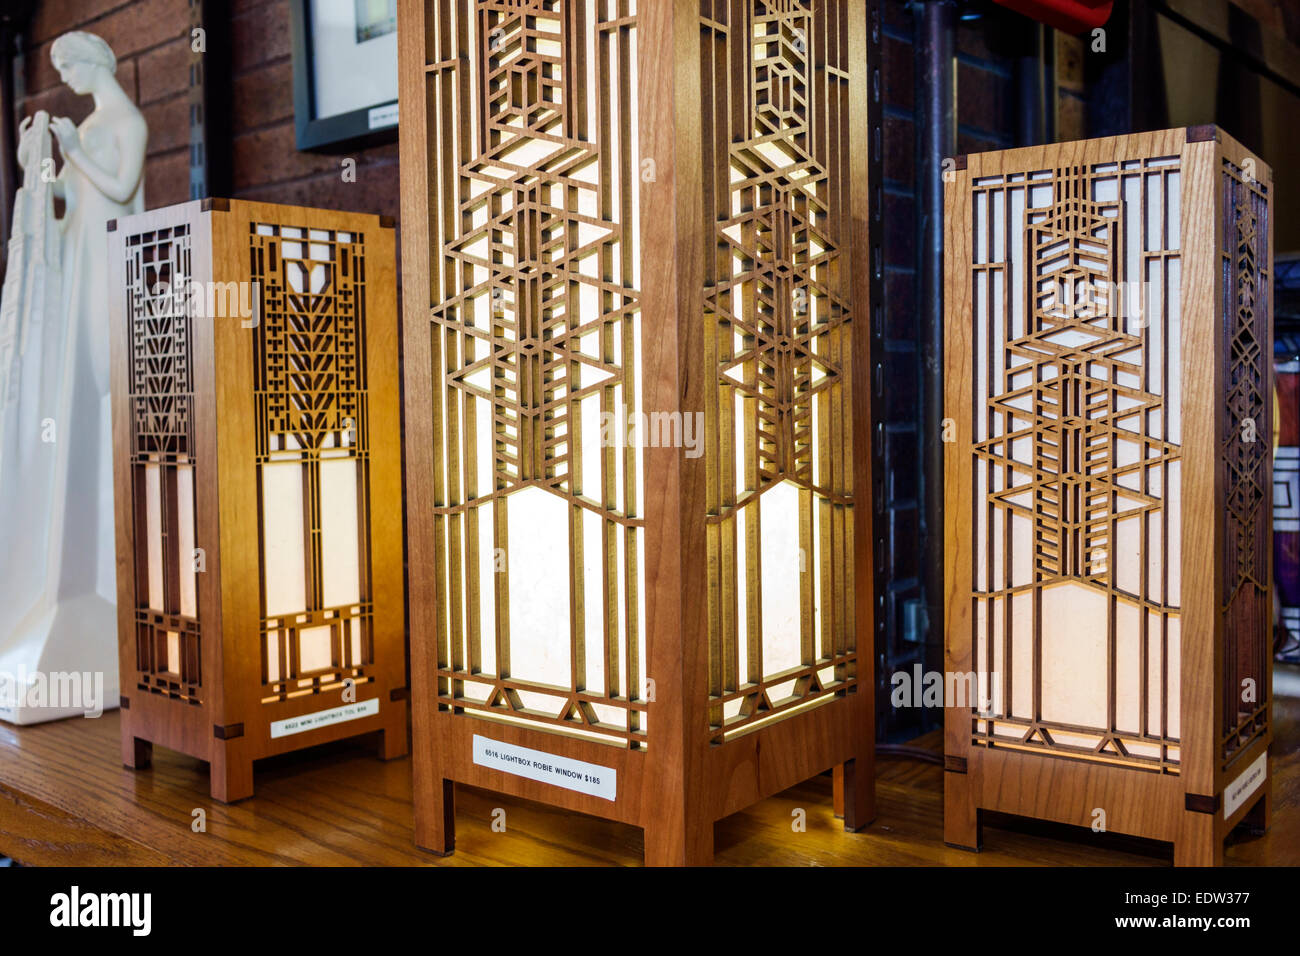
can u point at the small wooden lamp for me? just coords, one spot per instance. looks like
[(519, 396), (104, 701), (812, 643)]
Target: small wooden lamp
[(257, 474), (1108, 496)]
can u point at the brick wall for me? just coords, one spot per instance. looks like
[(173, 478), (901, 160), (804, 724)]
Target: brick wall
[(267, 165)]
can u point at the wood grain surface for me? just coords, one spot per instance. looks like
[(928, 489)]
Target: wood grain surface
[(1220, 602), (65, 799)]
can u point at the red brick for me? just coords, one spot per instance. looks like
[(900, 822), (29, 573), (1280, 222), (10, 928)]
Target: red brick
[(164, 70), (900, 296), (128, 30), (968, 144), (377, 193), (898, 17), (985, 100), (899, 149), (900, 385), (167, 179), (896, 72), (169, 124), (260, 36), (59, 101), (271, 156), (239, 7), (55, 17), (262, 96), (900, 239), (996, 36)]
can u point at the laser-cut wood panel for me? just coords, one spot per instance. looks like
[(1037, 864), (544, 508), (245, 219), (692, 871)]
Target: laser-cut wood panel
[(256, 427), (1108, 333), (634, 395), (778, 314)]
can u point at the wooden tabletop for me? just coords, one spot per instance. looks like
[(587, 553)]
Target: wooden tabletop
[(65, 799)]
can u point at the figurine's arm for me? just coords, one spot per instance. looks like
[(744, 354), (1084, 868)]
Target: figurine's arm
[(117, 186)]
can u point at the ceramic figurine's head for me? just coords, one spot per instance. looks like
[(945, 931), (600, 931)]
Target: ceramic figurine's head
[(79, 57)]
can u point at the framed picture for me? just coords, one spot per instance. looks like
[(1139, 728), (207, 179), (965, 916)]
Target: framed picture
[(344, 73)]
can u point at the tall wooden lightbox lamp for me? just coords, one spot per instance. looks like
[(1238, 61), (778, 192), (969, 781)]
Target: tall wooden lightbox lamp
[(257, 473), (1108, 552), (636, 357)]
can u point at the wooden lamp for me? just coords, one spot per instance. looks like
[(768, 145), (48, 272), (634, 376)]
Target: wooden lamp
[(257, 474), (636, 366), (1108, 551)]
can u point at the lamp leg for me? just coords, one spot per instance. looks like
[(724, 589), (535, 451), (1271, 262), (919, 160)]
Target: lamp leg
[(683, 841), (1199, 843), (435, 818), (392, 741), (859, 792), (962, 826), (137, 754), (232, 776)]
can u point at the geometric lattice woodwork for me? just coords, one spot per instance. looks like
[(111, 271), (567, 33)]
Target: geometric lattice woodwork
[(168, 658), (256, 416), (779, 326), (636, 400), (1246, 347), (1077, 460), (1107, 514)]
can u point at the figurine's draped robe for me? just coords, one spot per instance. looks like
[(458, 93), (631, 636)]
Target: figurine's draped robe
[(56, 491)]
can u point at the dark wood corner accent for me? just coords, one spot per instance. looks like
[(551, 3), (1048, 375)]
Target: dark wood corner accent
[(1203, 803)]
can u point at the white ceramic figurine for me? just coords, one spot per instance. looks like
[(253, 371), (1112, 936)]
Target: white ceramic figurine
[(58, 623)]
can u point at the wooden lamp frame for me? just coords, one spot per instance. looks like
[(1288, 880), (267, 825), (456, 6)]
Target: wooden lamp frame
[(685, 773), (185, 390), (1206, 778)]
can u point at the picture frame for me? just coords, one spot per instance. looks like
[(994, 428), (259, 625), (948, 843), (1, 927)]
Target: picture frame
[(333, 111)]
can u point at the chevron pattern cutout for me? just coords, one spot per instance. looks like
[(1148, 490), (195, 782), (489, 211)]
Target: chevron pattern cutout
[(778, 319)]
